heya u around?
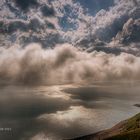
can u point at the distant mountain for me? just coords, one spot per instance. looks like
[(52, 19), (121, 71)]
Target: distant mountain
[(125, 130)]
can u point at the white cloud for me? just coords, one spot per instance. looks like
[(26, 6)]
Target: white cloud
[(65, 64)]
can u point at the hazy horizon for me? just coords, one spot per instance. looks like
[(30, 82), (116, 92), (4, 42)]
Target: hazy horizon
[(68, 68)]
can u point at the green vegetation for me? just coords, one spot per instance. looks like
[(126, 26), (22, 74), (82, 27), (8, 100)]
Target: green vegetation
[(130, 135), (132, 123), (131, 130)]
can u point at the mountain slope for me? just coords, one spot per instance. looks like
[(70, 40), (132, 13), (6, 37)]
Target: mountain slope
[(125, 130)]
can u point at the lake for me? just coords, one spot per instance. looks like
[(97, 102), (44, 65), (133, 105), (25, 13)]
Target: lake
[(65, 111)]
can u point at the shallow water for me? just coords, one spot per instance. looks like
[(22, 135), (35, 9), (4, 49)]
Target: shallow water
[(64, 111)]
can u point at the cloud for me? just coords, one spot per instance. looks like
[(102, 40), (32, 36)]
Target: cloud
[(94, 6), (25, 4), (25, 32), (95, 57), (106, 23), (130, 32), (47, 11), (37, 25), (35, 30), (70, 20), (64, 64)]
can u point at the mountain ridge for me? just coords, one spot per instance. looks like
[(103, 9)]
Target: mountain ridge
[(125, 130)]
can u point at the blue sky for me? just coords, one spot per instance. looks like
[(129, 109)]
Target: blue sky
[(64, 20), (93, 6)]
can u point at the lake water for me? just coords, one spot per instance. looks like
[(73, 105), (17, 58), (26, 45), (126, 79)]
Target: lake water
[(64, 111)]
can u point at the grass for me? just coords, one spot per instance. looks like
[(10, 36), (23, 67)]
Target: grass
[(133, 123), (131, 130), (130, 135)]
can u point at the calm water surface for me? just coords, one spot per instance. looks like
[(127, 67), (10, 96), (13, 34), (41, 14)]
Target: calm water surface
[(66, 111)]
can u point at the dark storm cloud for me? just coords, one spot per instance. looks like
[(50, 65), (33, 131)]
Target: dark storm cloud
[(12, 8), (110, 31), (46, 41), (107, 33), (109, 20), (47, 11), (130, 32), (117, 50), (31, 31), (135, 2), (114, 50), (50, 25), (27, 27), (11, 26), (25, 4), (135, 13), (107, 24)]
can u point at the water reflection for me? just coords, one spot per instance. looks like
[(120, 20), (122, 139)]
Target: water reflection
[(57, 112)]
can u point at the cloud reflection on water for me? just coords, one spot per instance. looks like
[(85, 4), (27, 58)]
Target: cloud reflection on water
[(58, 111)]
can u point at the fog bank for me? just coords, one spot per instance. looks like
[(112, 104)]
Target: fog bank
[(64, 64)]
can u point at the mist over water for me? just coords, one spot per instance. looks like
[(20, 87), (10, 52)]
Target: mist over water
[(55, 112), (64, 64), (50, 93), (67, 68)]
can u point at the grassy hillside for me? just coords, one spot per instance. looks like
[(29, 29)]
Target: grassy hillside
[(130, 135), (131, 130), (133, 123), (125, 130)]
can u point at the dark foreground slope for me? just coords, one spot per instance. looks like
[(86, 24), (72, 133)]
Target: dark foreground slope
[(125, 130)]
